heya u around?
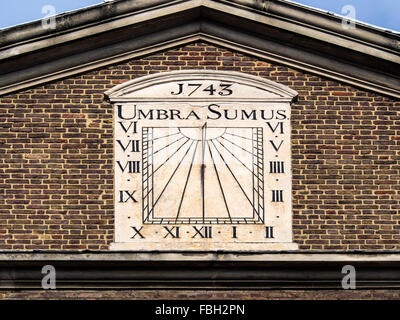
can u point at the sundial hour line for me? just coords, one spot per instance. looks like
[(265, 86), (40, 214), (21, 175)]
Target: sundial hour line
[(233, 175), (187, 179), (148, 193), (167, 146), (237, 158), (202, 174), (175, 152), (169, 180), (237, 145), (236, 135), (167, 136), (219, 182)]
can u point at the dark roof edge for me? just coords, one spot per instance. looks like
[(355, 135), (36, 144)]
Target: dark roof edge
[(109, 10), (75, 19)]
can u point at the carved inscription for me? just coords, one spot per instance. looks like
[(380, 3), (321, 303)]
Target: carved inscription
[(202, 165)]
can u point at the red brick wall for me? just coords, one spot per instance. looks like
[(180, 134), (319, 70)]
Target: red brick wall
[(56, 157)]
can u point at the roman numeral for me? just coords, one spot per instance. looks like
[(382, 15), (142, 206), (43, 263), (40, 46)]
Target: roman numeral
[(203, 232), (276, 167), (277, 195), (132, 124), (125, 196), (234, 232), (137, 232), (280, 125), (173, 232), (133, 143), (269, 232), (276, 147), (133, 166)]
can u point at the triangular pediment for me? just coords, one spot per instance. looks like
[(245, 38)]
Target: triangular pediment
[(278, 31)]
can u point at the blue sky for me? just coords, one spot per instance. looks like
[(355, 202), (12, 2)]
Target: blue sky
[(382, 13)]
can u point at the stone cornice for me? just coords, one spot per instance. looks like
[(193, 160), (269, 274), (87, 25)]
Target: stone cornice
[(105, 12), (208, 270)]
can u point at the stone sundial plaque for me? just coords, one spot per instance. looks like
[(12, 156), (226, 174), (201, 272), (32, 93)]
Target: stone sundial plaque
[(202, 162)]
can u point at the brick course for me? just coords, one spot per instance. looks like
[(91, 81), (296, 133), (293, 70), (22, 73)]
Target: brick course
[(56, 157)]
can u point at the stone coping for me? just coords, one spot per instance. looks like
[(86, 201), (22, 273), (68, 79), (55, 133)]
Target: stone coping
[(285, 256)]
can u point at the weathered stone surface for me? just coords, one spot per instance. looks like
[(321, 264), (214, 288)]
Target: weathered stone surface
[(203, 162)]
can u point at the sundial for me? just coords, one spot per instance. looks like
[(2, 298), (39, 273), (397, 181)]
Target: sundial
[(202, 162), (207, 175)]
